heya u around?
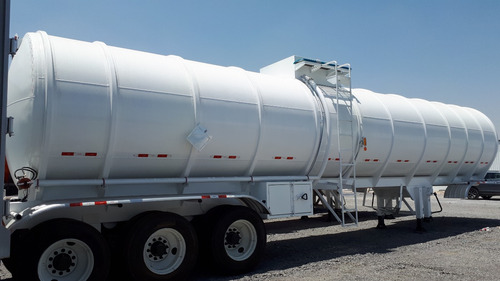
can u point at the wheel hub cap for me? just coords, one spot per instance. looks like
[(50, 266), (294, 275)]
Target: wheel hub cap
[(233, 238), (158, 249), (62, 262)]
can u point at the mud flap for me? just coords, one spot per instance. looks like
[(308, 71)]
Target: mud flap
[(457, 191)]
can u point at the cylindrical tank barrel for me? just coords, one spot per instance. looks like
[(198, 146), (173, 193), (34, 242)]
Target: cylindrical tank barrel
[(88, 110)]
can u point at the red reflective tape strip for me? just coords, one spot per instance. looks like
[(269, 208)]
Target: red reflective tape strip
[(406, 161), (232, 157), (367, 160), (90, 153), (217, 156), (329, 159), (428, 161), (79, 204), (143, 155), (67, 154), (222, 196), (162, 155), (289, 158), (337, 159), (205, 197), (375, 160), (400, 160), (277, 157)]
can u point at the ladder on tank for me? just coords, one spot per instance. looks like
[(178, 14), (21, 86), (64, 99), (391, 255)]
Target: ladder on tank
[(334, 192), (341, 192), (346, 145)]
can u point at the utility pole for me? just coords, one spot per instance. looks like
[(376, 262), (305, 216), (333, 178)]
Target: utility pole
[(4, 53)]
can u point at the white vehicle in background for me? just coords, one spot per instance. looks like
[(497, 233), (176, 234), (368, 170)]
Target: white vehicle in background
[(154, 158)]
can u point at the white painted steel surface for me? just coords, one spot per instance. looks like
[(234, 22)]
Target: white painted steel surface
[(87, 110), (495, 167), (414, 137)]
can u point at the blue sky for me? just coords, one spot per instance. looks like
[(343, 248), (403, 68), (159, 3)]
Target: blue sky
[(447, 51)]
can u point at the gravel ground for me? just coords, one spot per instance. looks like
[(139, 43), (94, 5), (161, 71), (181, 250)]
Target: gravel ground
[(461, 243)]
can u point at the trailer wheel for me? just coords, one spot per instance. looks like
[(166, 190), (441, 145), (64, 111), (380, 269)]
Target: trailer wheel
[(161, 246), (64, 250), (237, 239)]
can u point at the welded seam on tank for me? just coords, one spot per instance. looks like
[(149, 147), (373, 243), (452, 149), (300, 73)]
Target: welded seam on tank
[(195, 90), (322, 122), (410, 176), (152, 91), (48, 87), (113, 98), (327, 125), (473, 118), (466, 131), (489, 128), (256, 90), (80, 82), (228, 100), (21, 100), (441, 167), (378, 176)]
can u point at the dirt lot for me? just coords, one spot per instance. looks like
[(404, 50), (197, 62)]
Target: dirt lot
[(461, 243)]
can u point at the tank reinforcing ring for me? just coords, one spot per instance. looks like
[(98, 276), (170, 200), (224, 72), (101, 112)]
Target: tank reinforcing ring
[(164, 251), (61, 259), (240, 240)]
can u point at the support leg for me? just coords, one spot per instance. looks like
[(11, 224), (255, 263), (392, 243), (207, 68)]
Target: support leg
[(381, 224), (421, 197)]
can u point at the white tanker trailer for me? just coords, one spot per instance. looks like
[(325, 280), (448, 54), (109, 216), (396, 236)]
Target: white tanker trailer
[(163, 156)]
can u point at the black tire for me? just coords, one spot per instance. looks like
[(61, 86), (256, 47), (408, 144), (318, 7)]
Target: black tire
[(487, 197), (8, 263), (63, 250), (473, 193), (236, 240), (160, 246)]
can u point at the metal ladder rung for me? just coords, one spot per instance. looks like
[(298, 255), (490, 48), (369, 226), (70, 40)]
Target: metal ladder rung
[(345, 129)]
